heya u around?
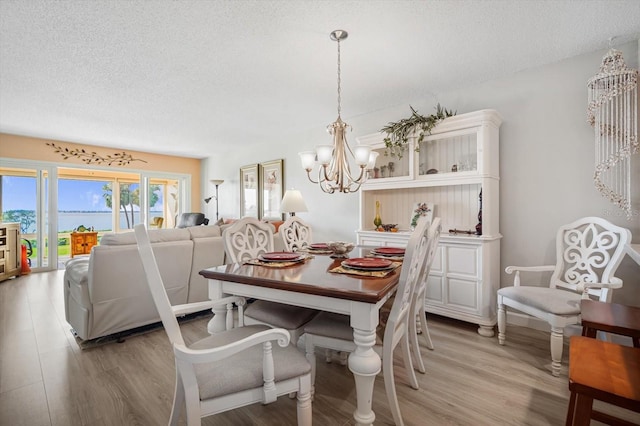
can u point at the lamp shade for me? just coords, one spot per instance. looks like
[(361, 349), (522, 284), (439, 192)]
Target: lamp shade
[(293, 202), (217, 182)]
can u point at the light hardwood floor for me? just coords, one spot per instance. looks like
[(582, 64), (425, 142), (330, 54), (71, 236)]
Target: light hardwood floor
[(46, 379)]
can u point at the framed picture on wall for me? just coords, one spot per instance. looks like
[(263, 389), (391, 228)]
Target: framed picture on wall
[(271, 189), (249, 187)]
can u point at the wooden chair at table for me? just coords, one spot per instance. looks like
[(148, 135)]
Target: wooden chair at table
[(247, 239), (419, 326), (333, 331), (295, 234), (588, 253), (231, 369)]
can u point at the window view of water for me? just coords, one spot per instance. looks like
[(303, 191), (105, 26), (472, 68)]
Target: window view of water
[(100, 221)]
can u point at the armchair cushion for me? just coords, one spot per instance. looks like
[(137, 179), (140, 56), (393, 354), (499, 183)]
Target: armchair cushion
[(551, 300), (244, 369)]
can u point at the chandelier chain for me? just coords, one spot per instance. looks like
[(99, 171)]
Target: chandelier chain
[(339, 82)]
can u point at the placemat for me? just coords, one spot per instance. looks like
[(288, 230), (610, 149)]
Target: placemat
[(314, 251), (377, 274)]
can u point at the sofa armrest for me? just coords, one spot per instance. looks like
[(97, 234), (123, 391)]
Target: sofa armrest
[(76, 281)]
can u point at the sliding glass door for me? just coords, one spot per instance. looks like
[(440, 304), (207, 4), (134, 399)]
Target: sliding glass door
[(50, 202), (26, 197)]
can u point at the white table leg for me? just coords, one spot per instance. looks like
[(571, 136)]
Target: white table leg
[(365, 365), (218, 322)]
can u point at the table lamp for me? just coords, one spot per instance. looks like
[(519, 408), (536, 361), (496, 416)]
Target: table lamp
[(293, 202)]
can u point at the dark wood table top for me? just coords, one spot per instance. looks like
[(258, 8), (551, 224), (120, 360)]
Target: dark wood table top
[(311, 277)]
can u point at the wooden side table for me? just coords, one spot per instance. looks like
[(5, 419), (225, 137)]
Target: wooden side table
[(603, 371), (81, 242), (611, 318)]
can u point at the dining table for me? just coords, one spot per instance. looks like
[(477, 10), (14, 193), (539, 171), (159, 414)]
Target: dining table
[(312, 284)]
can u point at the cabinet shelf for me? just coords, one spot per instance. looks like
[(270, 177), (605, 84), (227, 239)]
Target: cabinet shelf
[(466, 273)]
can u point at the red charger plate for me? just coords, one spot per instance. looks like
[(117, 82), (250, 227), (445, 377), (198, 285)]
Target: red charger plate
[(280, 255), (389, 250), (319, 246), (367, 262)]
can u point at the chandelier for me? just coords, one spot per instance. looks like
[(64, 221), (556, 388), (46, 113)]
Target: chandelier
[(334, 173)]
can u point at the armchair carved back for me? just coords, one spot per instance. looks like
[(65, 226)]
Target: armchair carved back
[(247, 239), (589, 250), (295, 233)]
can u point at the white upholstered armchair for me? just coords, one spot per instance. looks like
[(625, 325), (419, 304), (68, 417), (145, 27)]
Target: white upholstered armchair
[(588, 253)]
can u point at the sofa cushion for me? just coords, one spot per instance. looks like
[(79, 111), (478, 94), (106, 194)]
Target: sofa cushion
[(204, 231), (155, 235)]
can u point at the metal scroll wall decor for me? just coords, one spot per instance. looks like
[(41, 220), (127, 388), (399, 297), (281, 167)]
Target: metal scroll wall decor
[(91, 157), (613, 113)]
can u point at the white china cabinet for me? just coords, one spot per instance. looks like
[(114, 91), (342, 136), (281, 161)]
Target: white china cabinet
[(453, 166)]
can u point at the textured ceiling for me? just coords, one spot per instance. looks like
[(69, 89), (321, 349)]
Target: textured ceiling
[(183, 77)]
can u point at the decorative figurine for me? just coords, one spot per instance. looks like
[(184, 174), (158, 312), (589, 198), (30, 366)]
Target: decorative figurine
[(479, 225)]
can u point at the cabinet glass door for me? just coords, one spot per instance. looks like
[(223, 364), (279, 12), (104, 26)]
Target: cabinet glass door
[(391, 166), (453, 154)]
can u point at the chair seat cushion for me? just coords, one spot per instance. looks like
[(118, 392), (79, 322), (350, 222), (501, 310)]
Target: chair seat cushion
[(551, 300), (244, 370), (279, 315), (329, 324)]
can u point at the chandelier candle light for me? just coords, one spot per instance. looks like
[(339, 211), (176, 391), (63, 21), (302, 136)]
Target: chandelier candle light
[(334, 173)]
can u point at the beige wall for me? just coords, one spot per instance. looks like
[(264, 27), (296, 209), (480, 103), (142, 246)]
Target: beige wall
[(36, 149)]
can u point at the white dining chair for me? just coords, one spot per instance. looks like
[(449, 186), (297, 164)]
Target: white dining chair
[(419, 327), (588, 253), (333, 331), (247, 239), (295, 234), (230, 369)]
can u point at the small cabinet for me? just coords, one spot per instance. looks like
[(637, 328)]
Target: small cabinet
[(456, 168), (9, 250), (81, 242)]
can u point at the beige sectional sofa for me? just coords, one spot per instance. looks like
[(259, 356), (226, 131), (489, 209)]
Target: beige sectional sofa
[(106, 293)]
